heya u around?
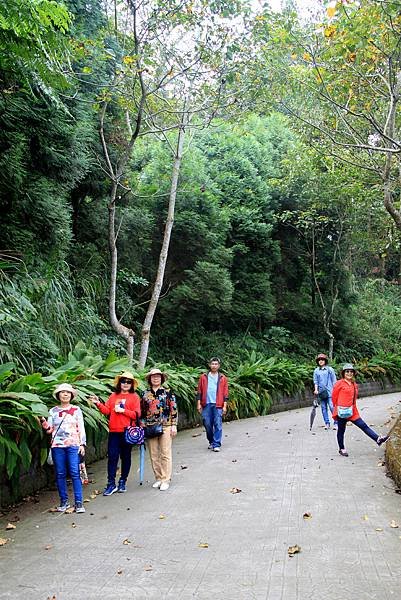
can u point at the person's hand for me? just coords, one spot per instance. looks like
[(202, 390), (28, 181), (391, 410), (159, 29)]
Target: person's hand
[(94, 399), (316, 392), (173, 431), (118, 409), (224, 409), (199, 408), (81, 450)]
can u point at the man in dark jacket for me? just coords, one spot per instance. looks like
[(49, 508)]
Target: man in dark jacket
[(212, 397)]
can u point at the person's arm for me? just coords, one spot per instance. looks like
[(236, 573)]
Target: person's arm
[(133, 408), (173, 413), (333, 376), (82, 432), (335, 393), (47, 424), (143, 411), (105, 409), (316, 381), (199, 394), (225, 395)]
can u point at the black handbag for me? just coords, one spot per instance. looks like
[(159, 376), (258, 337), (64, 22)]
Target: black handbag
[(323, 395), (152, 431)]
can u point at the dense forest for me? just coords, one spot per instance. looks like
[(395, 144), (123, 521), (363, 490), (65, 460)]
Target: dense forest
[(181, 179), (268, 140)]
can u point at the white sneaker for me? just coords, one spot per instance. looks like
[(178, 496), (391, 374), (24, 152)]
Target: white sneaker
[(156, 484), (164, 486), (217, 449)]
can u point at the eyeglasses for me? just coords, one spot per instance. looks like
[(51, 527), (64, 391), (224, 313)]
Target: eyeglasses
[(122, 380)]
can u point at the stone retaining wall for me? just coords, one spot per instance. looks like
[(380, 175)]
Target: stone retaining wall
[(393, 453)]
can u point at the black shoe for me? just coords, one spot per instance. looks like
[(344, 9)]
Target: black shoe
[(382, 439), (343, 452)]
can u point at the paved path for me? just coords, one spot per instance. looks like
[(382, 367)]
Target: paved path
[(348, 549)]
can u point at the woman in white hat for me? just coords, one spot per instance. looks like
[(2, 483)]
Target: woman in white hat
[(159, 415), (66, 426), (123, 407)]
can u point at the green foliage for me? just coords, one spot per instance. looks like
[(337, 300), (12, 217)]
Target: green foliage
[(31, 42)]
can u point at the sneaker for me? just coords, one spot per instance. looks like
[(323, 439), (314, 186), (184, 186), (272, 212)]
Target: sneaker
[(327, 426), (343, 452), (63, 506), (334, 426), (210, 447), (217, 449), (79, 507), (121, 486), (110, 489), (382, 439), (156, 484), (164, 486)]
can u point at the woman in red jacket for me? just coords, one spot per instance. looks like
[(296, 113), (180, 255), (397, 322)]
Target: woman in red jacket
[(345, 393), (123, 407)]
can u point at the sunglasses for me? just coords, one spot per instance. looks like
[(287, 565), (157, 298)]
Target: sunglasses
[(123, 380), (349, 371)]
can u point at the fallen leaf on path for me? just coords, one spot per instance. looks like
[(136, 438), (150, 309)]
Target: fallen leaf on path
[(119, 571), (234, 460), (86, 500), (3, 541), (69, 511), (203, 545), (51, 598), (14, 519), (196, 434), (378, 529), (92, 497), (307, 515), (53, 509), (10, 526), (48, 547), (126, 542), (294, 550), (148, 568), (235, 490), (162, 516), (184, 467), (394, 524), (97, 492), (73, 525), (365, 518), (381, 463)]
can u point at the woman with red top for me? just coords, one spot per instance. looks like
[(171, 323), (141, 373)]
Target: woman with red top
[(123, 407), (345, 393)]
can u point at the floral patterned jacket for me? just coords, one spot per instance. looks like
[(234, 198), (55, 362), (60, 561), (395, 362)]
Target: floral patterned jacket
[(158, 407)]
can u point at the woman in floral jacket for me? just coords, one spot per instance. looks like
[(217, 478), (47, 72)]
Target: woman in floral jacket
[(159, 407)]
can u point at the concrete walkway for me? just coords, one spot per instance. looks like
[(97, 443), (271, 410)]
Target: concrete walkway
[(152, 544)]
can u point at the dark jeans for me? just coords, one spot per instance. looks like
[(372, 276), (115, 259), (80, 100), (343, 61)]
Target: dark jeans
[(117, 447), (213, 422), (67, 460), (341, 425)]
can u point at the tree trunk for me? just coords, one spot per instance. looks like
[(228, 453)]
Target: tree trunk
[(118, 327), (147, 324)]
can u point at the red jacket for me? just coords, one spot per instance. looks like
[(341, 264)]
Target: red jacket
[(222, 390), (344, 394), (119, 421)]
